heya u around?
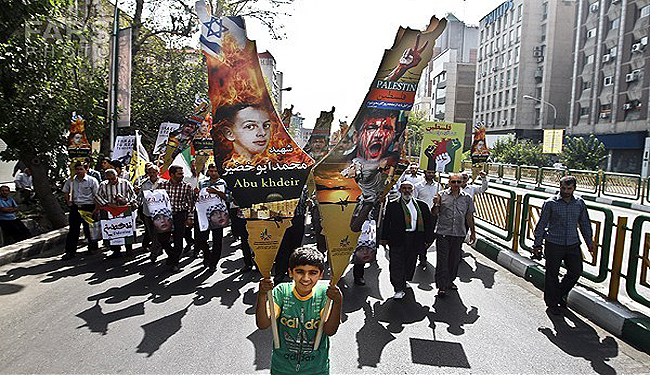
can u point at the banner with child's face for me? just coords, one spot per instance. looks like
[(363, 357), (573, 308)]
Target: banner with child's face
[(78, 145), (366, 161), (256, 156)]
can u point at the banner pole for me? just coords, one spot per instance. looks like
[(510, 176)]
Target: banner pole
[(274, 322), (319, 333)]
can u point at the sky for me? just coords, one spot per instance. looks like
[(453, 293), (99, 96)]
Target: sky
[(332, 48)]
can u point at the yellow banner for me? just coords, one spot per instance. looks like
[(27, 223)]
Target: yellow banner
[(341, 240), (264, 238), (552, 141)]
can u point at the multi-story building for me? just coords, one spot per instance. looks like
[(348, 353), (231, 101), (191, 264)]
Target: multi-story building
[(272, 76), (611, 79), (524, 49), (446, 88)]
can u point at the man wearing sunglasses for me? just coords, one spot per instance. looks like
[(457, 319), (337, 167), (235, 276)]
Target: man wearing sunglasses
[(455, 211)]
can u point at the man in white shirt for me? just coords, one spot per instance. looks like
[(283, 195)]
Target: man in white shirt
[(474, 190), (24, 185), (80, 192), (426, 191), (412, 175)]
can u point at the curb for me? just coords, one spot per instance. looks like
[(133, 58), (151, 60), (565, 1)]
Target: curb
[(553, 191), (51, 240), (633, 327)]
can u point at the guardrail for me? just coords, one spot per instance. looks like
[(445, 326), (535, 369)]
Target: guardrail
[(497, 211), (620, 185)]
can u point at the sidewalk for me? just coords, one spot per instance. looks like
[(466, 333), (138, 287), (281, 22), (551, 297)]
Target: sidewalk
[(50, 241)]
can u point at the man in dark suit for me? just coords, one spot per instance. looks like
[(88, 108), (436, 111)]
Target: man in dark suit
[(408, 230)]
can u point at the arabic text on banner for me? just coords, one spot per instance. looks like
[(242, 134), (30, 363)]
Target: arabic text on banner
[(442, 146)]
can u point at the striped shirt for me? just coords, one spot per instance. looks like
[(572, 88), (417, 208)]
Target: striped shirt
[(559, 221), (108, 192), (181, 196)]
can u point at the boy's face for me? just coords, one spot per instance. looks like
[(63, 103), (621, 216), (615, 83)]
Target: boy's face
[(305, 278)]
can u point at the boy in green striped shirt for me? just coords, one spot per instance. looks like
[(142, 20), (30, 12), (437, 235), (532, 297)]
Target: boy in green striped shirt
[(299, 311)]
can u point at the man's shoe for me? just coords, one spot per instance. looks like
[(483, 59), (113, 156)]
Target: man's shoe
[(554, 310), (67, 256), (562, 302), (360, 281), (441, 293), (153, 257), (453, 287), (399, 294)]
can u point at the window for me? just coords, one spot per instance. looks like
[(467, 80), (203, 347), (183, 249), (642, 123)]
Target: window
[(512, 116), (584, 111), (519, 12), (608, 81), (591, 33), (516, 54), (505, 20), (537, 115), (500, 99), (514, 95), (589, 59), (586, 85), (494, 100), (543, 37), (511, 37), (605, 110), (518, 32), (501, 80), (481, 38), (613, 24), (506, 97), (508, 78), (538, 92), (544, 11), (515, 75), (645, 11)]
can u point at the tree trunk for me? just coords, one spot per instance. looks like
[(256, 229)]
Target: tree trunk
[(43, 188)]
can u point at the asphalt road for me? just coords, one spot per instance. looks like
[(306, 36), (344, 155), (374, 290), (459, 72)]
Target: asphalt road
[(92, 315)]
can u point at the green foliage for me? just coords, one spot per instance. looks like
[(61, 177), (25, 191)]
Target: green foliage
[(583, 153), (16, 12), (520, 152), (163, 88), (414, 132)]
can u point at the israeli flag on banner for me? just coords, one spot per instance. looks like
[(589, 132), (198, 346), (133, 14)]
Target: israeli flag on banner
[(213, 29)]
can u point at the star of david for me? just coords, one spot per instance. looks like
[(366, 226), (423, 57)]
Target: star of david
[(215, 27)]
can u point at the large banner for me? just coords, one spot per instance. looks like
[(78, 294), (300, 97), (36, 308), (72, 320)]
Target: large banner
[(124, 78), (479, 150), (254, 153), (163, 134), (123, 149), (78, 145), (442, 146), (366, 161), (203, 144)]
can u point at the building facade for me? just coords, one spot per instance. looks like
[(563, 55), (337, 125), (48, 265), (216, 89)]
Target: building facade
[(524, 50), (272, 76), (446, 88), (611, 81)]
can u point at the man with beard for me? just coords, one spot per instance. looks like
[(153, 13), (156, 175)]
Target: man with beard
[(407, 229), (558, 226)]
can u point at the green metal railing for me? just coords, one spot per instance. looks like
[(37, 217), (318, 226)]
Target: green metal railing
[(529, 174), (510, 172), (621, 185), (587, 181), (635, 258), (498, 210), (551, 176)]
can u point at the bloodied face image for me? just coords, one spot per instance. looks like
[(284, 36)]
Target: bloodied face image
[(163, 222), (249, 130), (376, 134), (318, 144)]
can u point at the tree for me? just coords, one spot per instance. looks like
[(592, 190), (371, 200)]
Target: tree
[(520, 152), (15, 13), (41, 83), (583, 153), (414, 132)]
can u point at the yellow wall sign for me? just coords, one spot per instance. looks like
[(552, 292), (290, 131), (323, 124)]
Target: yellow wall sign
[(553, 141)]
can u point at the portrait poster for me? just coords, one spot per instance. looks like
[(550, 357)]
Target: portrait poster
[(479, 150), (367, 160), (123, 148), (442, 146), (318, 144), (211, 211), (160, 207), (203, 144), (181, 138), (78, 145), (255, 155), (163, 134)]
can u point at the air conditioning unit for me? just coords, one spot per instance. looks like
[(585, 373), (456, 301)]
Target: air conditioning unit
[(606, 57), (540, 59), (478, 92), (637, 47), (483, 74), (491, 124), (604, 115), (644, 41), (631, 77), (537, 48), (495, 69), (504, 122), (627, 106), (593, 8), (537, 53)]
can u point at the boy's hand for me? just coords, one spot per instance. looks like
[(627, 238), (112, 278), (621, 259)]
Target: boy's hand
[(266, 285), (333, 293)]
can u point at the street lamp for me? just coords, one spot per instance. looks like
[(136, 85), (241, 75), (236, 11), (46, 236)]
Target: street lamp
[(544, 102)]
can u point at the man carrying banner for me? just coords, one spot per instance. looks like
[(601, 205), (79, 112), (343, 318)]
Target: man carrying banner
[(455, 211), (215, 185), (116, 192), (151, 183), (407, 229), (182, 202), (426, 191), (80, 192)]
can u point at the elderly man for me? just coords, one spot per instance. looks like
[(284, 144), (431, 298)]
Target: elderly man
[(473, 190), (80, 192), (455, 210), (116, 192), (558, 226), (407, 230), (182, 199)]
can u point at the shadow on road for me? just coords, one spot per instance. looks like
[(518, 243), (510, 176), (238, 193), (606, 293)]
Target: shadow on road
[(9, 288), (480, 271), (372, 338), (97, 321), (159, 331), (355, 296), (398, 313), (578, 339), (438, 353), (451, 311)]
